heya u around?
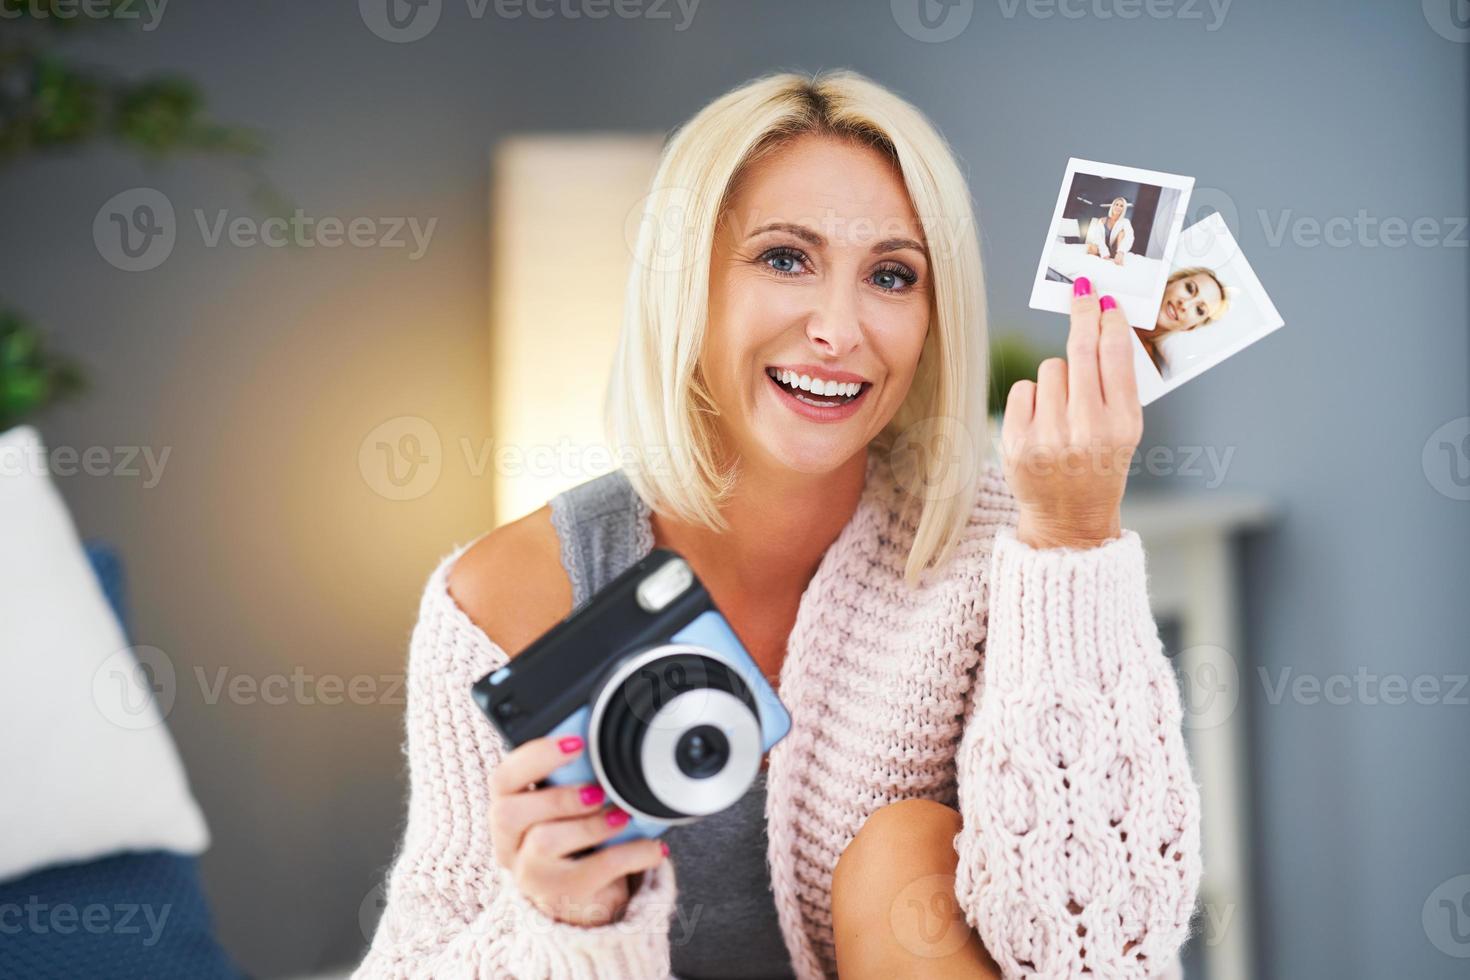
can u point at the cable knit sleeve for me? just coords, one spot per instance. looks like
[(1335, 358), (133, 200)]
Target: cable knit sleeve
[(451, 910), (1079, 848)]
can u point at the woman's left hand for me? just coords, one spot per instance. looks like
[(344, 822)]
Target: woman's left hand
[(1069, 436)]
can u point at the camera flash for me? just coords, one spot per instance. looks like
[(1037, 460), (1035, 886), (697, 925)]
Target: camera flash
[(665, 585)]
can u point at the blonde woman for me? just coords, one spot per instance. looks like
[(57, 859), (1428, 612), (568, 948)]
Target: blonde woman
[(985, 774), (1111, 237), (1193, 297)]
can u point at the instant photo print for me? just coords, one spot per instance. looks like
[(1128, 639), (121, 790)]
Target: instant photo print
[(1118, 227), (1213, 306)]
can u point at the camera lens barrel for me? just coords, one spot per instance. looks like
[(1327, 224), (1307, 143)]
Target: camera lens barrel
[(676, 734)]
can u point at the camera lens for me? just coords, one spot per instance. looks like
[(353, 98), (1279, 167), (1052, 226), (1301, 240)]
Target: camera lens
[(676, 733), (702, 751)]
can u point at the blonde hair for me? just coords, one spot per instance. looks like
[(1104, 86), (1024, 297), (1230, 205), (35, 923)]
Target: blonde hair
[(657, 405), (1199, 270)]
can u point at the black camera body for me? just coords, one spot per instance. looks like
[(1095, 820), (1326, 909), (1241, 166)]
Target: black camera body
[(675, 714)]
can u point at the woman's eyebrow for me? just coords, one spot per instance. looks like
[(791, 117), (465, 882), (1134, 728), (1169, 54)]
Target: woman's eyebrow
[(896, 244), (804, 233), (817, 241)]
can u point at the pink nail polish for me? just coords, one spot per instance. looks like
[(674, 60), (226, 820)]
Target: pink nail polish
[(1107, 303), (1082, 286), (662, 846), (570, 744), (592, 794), (616, 818)]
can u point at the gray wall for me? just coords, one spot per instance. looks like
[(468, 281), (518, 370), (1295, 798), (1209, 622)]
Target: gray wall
[(262, 550)]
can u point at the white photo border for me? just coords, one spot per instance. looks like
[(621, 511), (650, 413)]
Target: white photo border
[(1151, 384), (1141, 311)]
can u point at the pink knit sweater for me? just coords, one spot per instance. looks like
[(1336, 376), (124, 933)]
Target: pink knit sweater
[(1027, 688)]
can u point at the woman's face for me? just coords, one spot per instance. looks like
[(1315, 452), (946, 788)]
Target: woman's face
[(1116, 211), (819, 267), (1188, 302)]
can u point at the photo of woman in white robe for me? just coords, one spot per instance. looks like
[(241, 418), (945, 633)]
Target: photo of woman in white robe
[(1111, 237)]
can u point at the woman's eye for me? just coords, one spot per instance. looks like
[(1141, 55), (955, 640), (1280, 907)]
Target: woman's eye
[(1200, 310), (1191, 287), (894, 277), (786, 261)]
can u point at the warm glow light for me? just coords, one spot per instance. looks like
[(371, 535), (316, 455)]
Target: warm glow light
[(562, 214)]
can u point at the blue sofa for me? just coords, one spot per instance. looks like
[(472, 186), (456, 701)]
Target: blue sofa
[(130, 916)]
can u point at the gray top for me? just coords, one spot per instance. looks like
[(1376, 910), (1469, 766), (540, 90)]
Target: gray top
[(724, 924)]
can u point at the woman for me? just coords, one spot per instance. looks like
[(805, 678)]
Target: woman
[(1111, 237), (1193, 297), (985, 774)]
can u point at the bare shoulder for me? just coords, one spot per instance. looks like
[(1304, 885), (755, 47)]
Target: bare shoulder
[(511, 582)]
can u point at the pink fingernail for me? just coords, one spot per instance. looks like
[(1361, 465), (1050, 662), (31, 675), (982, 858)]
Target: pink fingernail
[(662, 846), (1082, 287), (570, 744), (616, 818), (1107, 303), (592, 794)]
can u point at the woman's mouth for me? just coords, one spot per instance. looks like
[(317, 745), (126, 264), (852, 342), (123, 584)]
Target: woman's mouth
[(830, 401)]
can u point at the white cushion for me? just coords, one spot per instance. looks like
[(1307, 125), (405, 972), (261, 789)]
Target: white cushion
[(87, 767)]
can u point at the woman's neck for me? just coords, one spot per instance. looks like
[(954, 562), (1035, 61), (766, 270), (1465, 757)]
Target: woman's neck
[(780, 525)]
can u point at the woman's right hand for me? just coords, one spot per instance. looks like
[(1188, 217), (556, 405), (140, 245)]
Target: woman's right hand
[(534, 830), (1092, 250)]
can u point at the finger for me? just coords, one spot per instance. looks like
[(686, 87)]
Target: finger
[(1083, 388), (1115, 361), (630, 857), (556, 839), (1051, 394), (513, 815), (529, 763), (1020, 405)]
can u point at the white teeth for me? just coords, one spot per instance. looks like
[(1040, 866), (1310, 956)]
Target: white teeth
[(817, 386)]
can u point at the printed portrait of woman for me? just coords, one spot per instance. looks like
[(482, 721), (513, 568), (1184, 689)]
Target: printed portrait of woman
[(1111, 237), (1193, 297)]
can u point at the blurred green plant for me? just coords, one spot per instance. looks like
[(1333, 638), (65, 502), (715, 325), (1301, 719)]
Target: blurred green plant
[(49, 100), (31, 375), (52, 102), (1012, 358)]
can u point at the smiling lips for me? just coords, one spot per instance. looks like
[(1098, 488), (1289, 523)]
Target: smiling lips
[(818, 399), (844, 388)]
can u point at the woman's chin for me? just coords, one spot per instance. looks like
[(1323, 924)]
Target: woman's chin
[(812, 454)]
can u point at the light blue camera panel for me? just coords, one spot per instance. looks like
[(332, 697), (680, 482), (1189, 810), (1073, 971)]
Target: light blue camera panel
[(579, 771), (710, 629)]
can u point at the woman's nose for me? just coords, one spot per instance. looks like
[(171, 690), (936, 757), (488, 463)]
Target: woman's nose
[(834, 325)]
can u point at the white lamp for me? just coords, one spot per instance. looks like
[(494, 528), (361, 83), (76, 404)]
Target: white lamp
[(559, 260)]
